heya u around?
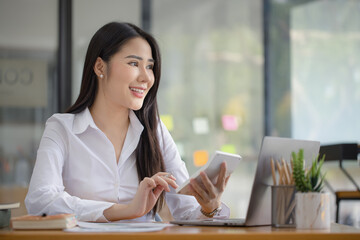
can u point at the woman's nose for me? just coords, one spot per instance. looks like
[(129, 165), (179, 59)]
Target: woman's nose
[(146, 75)]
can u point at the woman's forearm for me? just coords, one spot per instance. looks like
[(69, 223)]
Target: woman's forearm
[(119, 212)]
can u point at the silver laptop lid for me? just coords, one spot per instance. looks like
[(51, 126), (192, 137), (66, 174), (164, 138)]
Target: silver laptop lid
[(259, 210)]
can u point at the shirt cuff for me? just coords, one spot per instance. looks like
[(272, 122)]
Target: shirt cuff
[(222, 214), (102, 218)]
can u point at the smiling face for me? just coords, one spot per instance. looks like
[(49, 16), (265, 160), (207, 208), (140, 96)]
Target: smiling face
[(128, 76)]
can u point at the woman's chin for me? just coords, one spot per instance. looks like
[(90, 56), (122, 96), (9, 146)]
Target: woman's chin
[(136, 107)]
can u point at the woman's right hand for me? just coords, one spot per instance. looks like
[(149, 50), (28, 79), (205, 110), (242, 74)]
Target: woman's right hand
[(145, 198), (149, 191)]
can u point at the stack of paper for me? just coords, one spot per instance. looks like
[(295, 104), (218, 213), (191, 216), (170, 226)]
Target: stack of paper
[(119, 227)]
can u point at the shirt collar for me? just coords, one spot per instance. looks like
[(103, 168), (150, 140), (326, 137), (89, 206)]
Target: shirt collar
[(135, 122), (132, 137), (83, 120)]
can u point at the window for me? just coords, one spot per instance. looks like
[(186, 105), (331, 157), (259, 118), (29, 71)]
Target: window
[(314, 79), (28, 90), (88, 17), (211, 94)]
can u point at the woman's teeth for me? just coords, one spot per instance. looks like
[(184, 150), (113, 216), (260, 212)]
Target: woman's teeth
[(137, 90)]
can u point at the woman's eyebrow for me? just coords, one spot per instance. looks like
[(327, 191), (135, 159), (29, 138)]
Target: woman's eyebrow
[(140, 58)]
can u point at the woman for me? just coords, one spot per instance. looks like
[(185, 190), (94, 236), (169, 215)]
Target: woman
[(110, 157)]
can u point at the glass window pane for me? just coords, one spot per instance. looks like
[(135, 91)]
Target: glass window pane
[(211, 94), (88, 17), (325, 84), (28, 61), (315, 80), (325, 76)]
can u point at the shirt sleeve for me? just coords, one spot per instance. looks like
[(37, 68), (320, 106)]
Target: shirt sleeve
[(182, 207), (47, 193)]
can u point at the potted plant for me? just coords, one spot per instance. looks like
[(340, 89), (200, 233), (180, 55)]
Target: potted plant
[(312, 205)]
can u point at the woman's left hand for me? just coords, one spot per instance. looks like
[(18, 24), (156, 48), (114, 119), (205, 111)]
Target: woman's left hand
[(209, 195)]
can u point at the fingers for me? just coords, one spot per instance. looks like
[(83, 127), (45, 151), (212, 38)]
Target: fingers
[(171, 182), (220, 184), (148, 183), (194, 191), (206, 203), (169, 179), (161, 181), (209, 187), (198, 189), (145, 197), (165, 175), (157, 191)]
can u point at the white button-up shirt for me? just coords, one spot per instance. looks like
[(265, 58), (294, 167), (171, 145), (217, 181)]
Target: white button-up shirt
[(76, 170)]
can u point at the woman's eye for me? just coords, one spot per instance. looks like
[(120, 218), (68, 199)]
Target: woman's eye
[(135, 64), (151, 66)]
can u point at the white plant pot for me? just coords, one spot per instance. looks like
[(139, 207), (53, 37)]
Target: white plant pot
[(312, 210)]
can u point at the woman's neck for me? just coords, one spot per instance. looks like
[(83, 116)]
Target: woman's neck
[(108, 117), (113, 121)]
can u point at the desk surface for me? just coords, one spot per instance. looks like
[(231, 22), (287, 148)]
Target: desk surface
[(336, 231)]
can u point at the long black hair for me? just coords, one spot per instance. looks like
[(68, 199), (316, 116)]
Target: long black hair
[(106, 42)]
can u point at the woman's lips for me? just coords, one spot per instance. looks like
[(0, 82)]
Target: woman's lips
[(137, 92)]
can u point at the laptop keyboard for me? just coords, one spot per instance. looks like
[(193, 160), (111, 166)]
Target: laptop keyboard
[(230, 222), (212, 222)]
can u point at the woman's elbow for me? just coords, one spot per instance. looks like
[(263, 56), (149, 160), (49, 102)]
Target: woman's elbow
[(35, 204)]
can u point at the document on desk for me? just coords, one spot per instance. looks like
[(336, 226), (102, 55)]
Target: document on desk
[(119, 227)]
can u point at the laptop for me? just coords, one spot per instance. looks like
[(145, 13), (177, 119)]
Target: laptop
[(259, 209)]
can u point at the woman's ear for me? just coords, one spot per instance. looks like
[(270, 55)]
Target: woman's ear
[(99, 68)]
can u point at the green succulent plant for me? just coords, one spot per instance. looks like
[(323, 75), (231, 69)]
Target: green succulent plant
[(311, 180)]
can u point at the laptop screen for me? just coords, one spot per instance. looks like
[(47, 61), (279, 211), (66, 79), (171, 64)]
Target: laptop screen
[(259, 210)]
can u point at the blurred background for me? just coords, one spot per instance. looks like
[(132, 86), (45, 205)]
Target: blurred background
[(233, 71)]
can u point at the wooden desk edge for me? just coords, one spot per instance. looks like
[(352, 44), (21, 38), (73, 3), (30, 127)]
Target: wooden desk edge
[(337, 231)]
